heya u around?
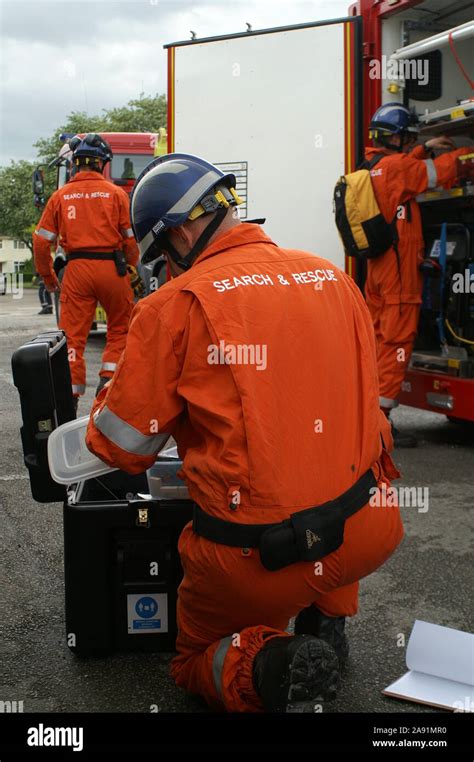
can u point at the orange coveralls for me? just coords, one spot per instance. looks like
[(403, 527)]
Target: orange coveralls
[(394, 288), (289, 427), (88, 214)]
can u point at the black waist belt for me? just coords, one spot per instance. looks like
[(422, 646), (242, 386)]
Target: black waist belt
[(108, 255), (306, 536)]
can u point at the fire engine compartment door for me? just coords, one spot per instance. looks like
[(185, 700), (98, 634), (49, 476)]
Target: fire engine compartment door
[(278, 109)]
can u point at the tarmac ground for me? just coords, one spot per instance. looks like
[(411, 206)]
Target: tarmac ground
[(428, 578)]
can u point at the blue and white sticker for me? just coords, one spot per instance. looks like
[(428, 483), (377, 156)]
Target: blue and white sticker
[(436, 248), (147, 613)]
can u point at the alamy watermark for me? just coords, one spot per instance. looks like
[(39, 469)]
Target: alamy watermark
[(12, 283), (400, 69), (9, 707), (42, 735), (404, 497), (237, 354), (463, 283)]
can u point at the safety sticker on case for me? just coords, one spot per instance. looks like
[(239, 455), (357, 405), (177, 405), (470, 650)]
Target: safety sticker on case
[(147, 613)]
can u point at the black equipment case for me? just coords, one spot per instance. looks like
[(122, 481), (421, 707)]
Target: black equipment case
[(42, 377), (121, 562)]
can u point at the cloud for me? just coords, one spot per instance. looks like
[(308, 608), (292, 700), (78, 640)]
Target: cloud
[(59, 21), (64, 56)]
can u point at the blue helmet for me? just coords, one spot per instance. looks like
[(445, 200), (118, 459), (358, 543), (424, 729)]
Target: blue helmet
[(92, 146), (172, 189), (393, 119)]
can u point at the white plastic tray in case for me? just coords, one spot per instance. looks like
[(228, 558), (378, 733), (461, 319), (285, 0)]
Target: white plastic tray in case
[(70, 460)]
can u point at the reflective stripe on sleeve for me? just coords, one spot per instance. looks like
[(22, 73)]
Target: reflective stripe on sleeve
[(109, 366), (218, 663), (78, 389), (120, 433), (432, 173), (46, 234), (127, 232)]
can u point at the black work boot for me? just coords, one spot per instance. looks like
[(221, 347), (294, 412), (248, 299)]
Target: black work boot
[(403, 438), (293, 674), (101, 384), (46, 311), (311, 621)]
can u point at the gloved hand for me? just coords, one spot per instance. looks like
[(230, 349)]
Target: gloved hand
[(138, 287), (441, 143)]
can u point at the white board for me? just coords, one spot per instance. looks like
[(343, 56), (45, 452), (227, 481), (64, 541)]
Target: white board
[(272, 104)]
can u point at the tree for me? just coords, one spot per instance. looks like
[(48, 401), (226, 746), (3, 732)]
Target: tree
[(17, 210), (18, 214), (28, 267), (77, 121), (144, 114)]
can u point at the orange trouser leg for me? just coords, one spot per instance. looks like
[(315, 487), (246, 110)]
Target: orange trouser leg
[(398, 325), (395, 327), (343, 601), (116, 297), (77, 307), (229, 604)]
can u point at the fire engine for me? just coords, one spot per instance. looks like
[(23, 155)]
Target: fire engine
[(289, 108)]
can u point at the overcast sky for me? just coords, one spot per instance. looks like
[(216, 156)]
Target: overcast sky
[(59, 56)]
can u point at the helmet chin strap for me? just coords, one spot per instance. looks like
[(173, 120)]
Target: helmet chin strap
[(186, 262), (386, 144)]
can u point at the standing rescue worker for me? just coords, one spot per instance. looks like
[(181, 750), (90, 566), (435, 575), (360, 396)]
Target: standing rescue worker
[(394, 283), (260, 361), (91, 218)]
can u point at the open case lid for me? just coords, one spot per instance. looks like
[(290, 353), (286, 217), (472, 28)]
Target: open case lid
[(42, 376)]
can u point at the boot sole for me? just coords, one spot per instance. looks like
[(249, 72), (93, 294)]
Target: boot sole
[(313, 676)]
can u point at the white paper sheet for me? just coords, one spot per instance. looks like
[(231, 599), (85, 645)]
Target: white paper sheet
[(441, 651), (441, 663), (436, 691)]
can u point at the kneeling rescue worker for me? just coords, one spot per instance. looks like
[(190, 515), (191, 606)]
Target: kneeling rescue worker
[(260, 361), (91, 218), (394, 283)]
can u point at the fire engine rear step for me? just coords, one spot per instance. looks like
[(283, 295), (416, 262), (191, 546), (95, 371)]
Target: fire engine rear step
[(455, 363)]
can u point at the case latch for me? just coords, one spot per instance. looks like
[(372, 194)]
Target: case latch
[(142, 517)]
